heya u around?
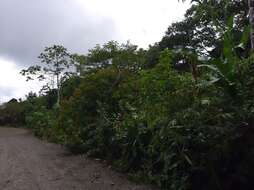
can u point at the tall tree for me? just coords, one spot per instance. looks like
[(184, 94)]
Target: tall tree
[(240, 12), (57, 67)]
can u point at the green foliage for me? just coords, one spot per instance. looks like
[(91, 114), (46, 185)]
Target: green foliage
[(158, 122), (179, 127), (161, 125), (204, 26), (81, 110), (12, 113), (58, 66), (124, 56), (42, 122)]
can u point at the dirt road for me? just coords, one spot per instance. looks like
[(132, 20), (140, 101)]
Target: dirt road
[(27, 163)]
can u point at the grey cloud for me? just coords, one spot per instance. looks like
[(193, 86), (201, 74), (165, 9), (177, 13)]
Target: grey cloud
[(27, 26), (6, 93)]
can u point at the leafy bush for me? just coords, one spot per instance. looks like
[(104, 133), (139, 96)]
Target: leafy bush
[(161, 123), (12, 113), (42, 122), (181, 129)]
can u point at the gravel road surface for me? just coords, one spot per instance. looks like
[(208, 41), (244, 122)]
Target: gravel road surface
[(27, 163)]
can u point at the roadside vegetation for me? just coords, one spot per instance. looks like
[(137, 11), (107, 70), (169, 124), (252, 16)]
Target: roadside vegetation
[(179, 114)]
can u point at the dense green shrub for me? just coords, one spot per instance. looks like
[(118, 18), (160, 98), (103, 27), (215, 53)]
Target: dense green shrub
[(41, 113), (12, 113), (42, 122), (179, 129), (161, 123), (79, 114)]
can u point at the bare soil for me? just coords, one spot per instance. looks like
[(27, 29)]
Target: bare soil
[(27, 163)]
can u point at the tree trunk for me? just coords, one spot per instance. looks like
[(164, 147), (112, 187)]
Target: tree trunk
[(58, 90), (251, 20), (58, 82)]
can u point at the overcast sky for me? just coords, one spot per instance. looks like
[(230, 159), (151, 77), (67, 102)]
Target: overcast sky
[(27, 26)]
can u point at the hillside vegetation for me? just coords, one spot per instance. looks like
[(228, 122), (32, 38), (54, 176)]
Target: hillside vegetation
[(179, 114)]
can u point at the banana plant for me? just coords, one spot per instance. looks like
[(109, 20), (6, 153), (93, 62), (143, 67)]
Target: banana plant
[(225, 68)]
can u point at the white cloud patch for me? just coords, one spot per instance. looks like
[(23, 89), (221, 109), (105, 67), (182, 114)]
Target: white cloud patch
[(143, 22), (12, 84)]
